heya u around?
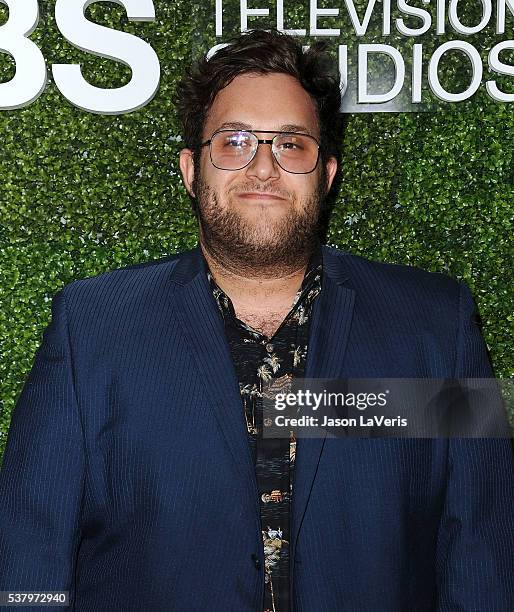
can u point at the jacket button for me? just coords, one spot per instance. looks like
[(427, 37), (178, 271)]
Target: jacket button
[(256, 561)]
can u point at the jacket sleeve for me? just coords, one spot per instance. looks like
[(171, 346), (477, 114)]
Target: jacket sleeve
[(42, 475), (475, 546)]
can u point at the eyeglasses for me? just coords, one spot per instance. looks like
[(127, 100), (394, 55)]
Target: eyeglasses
[(234, 149)]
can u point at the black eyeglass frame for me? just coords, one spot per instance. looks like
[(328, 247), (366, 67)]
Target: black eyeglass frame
[(261, 141)]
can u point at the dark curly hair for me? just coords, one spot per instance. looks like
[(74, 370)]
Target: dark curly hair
[(263, 52)]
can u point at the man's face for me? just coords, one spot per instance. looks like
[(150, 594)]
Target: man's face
[(261, 214)]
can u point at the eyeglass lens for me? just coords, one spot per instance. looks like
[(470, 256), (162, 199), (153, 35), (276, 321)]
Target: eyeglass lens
[(297, 153)]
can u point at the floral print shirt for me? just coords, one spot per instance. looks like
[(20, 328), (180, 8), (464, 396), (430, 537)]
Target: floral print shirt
[(266, 366)]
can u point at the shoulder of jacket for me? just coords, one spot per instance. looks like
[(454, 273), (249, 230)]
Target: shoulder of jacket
[(400, 272), (127, 278), (366, 272)]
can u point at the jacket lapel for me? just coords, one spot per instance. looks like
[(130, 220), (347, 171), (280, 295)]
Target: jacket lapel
[(330, 327), (204, 328)]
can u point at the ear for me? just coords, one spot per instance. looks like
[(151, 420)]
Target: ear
[(331, 168), (187, 169)]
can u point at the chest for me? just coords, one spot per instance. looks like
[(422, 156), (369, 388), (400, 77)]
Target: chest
[(265, 323)]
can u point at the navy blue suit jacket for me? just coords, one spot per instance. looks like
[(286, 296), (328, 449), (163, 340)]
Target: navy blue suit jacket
[(128, 479)]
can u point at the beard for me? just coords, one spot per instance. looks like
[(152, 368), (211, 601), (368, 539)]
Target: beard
[(268, 244)]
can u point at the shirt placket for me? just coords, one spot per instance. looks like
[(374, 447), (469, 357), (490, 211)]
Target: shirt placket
[(255, 357)]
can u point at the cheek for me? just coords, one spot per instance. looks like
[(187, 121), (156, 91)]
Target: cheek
[(224, 181), (218, 182), (307, 186)]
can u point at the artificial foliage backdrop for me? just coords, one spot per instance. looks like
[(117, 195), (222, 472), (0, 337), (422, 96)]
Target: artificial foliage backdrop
[(82, 193)]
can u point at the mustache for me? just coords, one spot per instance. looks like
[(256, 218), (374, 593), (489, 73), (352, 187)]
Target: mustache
[(252, 187)]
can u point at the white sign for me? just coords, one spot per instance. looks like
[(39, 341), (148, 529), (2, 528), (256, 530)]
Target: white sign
[(30, 78), (447, 19)]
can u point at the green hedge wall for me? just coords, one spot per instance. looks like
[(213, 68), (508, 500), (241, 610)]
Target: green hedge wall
[(83, 193)]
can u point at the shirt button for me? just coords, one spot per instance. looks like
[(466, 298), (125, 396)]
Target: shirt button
[(256, 561), (269, 347)]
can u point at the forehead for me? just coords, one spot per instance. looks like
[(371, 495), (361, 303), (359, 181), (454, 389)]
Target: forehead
[(269, 101)]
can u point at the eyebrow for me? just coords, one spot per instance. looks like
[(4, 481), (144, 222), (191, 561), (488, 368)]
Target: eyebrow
[(287, 127)]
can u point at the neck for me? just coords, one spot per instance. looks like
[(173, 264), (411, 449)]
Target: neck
[(268, 289)]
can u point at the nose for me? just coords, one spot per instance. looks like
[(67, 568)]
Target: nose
[(264, 165)]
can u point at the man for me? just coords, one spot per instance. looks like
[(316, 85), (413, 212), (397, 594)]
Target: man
[(136, 474)]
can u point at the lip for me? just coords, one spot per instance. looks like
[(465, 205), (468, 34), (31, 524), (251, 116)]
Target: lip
[(259, 195)]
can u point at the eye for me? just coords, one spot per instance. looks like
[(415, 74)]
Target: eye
[(290, 143), (236, 141)]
